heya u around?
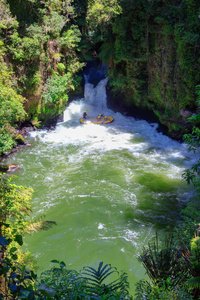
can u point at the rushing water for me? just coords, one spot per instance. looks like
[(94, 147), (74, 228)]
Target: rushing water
[(108, 187)]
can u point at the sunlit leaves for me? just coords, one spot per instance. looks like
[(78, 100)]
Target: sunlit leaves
[(11, 109), (11, 106), (7, 21), (54, 24), (102, 11), (55, 89), (70, 38), (6, 141), (14, 208)]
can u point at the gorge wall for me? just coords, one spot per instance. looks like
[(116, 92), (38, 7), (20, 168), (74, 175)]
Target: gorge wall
[(151, 50)]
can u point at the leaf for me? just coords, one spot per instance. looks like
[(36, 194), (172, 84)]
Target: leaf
[(46, 290), (194, 282), (14, 256), (13, 249), (54, 261), (96, 278), (62, 264), (18, 239)]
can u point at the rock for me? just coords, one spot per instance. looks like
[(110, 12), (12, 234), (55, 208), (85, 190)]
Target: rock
[(185, 113), (12, 167)]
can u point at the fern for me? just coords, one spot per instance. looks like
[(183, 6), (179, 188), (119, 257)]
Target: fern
[(107, 52), (96, 285), (193, 282)]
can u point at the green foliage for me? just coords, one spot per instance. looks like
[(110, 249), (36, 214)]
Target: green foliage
[(61, 283), (69, 43), (8, 23), (14, 206), (96, 282), (194, 282), (56, 89), (6, 141), (14, 209), (152, 53), (55, 97), (40, 44), (171, 270), (163, 264), (160, 292), (61, 68), (11, 106), (11, 109), (192, 175), (26, 48), (70, 39), (53, 24), (19, 139), (102, 11), (15, 280)]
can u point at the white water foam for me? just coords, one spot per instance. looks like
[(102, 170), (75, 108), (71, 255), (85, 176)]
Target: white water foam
[(136, 136)]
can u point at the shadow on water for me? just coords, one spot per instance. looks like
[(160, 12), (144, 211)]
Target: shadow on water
[(158, 183)]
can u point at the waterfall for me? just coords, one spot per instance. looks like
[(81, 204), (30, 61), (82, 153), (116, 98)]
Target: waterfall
[(94, 101), (96, 96)]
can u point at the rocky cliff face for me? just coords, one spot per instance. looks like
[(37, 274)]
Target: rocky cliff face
[(156, 60)]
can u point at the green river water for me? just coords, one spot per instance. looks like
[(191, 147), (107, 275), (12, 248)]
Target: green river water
[(107, 187)]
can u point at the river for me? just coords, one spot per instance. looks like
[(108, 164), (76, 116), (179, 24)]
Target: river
[(107, 187)]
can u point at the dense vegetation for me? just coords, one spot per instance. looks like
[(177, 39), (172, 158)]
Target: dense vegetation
[(39, 63), (151, 49)]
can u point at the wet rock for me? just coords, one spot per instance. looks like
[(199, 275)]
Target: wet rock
[(12, 167)]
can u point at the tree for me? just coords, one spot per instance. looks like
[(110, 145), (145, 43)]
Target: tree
[(11, 107), (14, 209)]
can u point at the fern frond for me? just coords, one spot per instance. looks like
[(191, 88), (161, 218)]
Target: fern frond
[(100, 274), (193, 282), (96, 285)]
